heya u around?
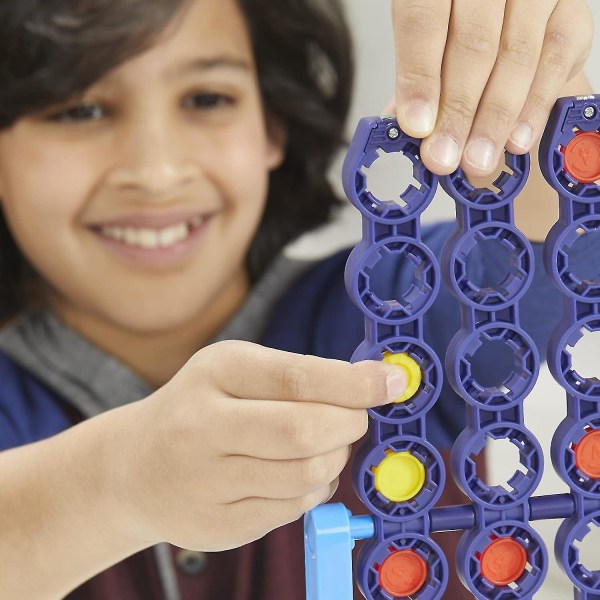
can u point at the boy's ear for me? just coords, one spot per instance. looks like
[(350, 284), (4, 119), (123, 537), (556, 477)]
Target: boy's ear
[(277, 140)]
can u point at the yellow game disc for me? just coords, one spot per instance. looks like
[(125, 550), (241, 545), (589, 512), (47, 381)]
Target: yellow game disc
[(400, 476), (412, 370)]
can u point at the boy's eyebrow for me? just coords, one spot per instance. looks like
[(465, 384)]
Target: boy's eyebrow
[(216, 62)]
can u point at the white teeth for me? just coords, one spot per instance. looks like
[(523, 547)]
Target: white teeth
[(172, 235), (153, 238), (148, 238), (130, 236), (114, 232)]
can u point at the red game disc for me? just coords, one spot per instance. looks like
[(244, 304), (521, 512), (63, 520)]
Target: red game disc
[(403, 573), (587, 454), (582, 156), (503, 561)]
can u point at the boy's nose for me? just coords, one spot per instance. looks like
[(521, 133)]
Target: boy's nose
[(155, 177), (153, 159)]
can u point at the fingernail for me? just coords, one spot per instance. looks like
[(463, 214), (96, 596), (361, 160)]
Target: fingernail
[(480, 154), (419, 118), (396, 384), (522, 136), (444, 151)]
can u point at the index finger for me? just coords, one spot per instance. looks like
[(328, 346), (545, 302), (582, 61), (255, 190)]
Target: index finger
[(421, 31), (260, 373)]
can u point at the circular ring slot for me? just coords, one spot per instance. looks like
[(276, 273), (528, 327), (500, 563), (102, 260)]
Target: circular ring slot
[(506, 561), (560, 359), (570, 540), (372, 194), (371, 279), (569, 263), (508, 266), (422, 359), (407, 566), (525, 478), (496, 366), (400, 478), (507, 186)]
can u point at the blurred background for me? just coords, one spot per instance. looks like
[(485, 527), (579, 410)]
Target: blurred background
[(545, 407)]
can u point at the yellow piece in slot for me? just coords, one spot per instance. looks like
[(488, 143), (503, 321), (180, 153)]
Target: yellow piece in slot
[(400, 476), (412, 370)]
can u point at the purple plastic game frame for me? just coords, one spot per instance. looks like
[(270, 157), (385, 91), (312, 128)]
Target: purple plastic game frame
[(488, 314)]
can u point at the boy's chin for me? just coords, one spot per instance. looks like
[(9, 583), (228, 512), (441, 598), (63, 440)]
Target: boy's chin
[(157, 322), (136, 322)]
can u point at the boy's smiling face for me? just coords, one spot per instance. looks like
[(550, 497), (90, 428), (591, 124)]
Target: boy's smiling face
[(138, 202)]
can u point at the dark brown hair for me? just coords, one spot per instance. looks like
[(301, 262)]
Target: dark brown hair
[(51, 50)]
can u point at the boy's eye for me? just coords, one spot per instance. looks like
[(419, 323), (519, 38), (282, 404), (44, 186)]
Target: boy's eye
[(207, 101), (79, 113)]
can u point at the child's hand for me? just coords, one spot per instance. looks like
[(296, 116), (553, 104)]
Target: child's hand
[(487, 73), (245, 439)]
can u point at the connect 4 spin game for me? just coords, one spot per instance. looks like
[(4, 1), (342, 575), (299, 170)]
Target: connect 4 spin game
[(398, 474)]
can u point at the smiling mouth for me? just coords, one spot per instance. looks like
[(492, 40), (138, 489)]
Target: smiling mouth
[(153, 238)]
